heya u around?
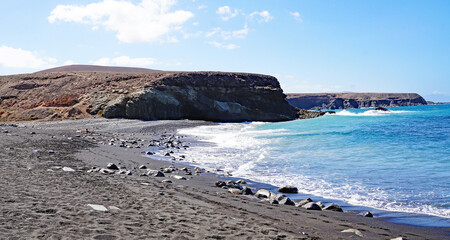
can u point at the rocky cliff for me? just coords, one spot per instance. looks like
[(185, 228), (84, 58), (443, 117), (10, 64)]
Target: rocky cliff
[(212, 96), (316, 101)]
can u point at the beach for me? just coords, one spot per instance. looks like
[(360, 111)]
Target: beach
[(51, 191)]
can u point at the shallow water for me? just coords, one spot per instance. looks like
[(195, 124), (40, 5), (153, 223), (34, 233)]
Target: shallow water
[(397, 161)]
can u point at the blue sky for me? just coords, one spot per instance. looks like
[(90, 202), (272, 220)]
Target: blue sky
[(310, 46)]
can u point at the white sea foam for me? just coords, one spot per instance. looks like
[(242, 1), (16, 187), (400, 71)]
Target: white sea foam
[(244, 150), (369, 113)]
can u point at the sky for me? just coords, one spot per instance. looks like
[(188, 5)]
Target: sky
[(310, 46)]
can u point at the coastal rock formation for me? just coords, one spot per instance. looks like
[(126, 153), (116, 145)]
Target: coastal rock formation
[(318, 101), (71, 93)]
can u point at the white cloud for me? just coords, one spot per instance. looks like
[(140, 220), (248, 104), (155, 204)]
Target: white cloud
[(69, 62), (202, 7), (225, 35), (147, 21), (297, 16), (263, 16), (19, 58), (223, 46), (226, 13), (125, 61)]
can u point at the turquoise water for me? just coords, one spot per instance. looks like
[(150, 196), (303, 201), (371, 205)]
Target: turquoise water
[(398, 161)]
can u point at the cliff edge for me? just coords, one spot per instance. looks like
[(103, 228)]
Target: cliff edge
[(318, 101), (152, 95)]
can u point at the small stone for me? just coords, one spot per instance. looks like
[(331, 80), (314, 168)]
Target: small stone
[(114, 208), (167, 170), (155, 173), (220, 184), (32, 133), (303, 202), (272, 201), (247, 191), (166, 181), (368, 214), (112, 166), (5, 131), (107, 171), (333, 207), (98, 207), (167, 154), (178, 177), (149, 153), (51, 152), (311, 206), (142, 167), (352, 230), (234, 191), (240, 181), (68, 169), (288, 189), (398, 238)]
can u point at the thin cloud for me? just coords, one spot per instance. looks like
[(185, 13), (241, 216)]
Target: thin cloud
[(147, 21), (18, 58), (263, 16), (125, 61), (223, 46), (296, 16), (226, 13), (226, 35)]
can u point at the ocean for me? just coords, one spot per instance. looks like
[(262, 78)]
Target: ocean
[(395, 164)]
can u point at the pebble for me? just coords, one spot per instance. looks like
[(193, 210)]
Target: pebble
[(112, 166), (68, 169), (51, 151), (142, 167), (352, 230), (263, 193), (155, 173), (398, 238), (178, 177), (166, 181), (107, 171), (234, 191), (98, 207), (247, 191), (286, 201), (240, 181), (368, 214)]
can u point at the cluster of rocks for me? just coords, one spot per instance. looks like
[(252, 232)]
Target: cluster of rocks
[(235, 187), (143, 171)]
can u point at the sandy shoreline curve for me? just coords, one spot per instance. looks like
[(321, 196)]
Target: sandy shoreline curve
[(40, 200)]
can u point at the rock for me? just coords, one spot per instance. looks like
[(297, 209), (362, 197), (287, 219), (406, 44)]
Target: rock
[(321, 205), (234, 191), (112, 166), (166, 181), (114, 208), (149, 153), (240, 181), (220, 184), (398, 238), (247, 191), (352, 230), (232, 184), (367, 214), (311, 206), (178, 177), (68, 169), (318, 101), (333, 207), (32, 133), (167, 154), (167, 170), (142, 167), (272, 201), (107, 171), (51, 152), (286, 201), (155, 173), (381, 109), (263, 193), (303, 202), (288, 189), (98, 207)]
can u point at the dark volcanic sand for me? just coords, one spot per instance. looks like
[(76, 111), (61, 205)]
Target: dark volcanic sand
[(38, 203)]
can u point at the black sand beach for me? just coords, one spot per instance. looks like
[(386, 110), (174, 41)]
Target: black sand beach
[(40, 200)]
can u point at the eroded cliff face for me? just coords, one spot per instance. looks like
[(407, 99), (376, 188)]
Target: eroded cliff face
[(317, 101), (212, 96)]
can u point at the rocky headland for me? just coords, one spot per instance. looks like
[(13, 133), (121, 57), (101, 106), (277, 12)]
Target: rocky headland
[(88, 92), (318, 101)]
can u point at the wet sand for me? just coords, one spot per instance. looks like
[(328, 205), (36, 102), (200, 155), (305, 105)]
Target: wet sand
[(41, 201)]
